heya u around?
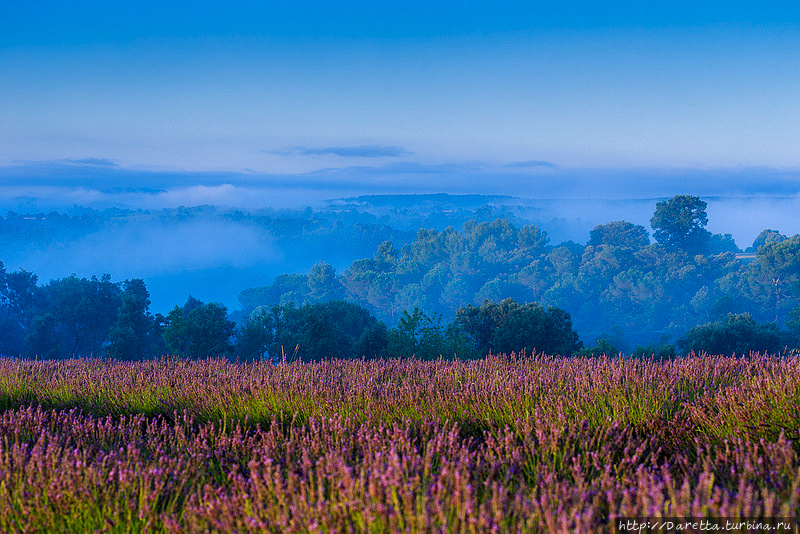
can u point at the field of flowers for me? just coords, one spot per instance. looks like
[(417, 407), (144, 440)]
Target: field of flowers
[(503, 444)]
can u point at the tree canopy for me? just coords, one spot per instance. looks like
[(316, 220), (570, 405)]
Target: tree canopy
[(198, 330), (618, 280), (679, 223), (619, 234), (507, 326), (738, 334), (335, 329)]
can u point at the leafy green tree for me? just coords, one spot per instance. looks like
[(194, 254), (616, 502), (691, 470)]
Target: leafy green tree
[(765, 237), (323, 284), (793, 325), (429, 246), (507, 327), (17, 290), (255, 336), (456, 292), (136, 334), (386, 252), (679, 223), (17, 304), (721, 243), (618, 280), (619, 234), (532, 238), (269, 333), (330, 330), (566, 258), (781, 257), (418, 335), (458, 343), (538, 276), (739, 334), (335, 329), (779, 262), (41, 338), (599, 265), (465, 264), (502, 288), (371, 282), (427, 337), (285, 289), (373, 341), (198, 330), (83, 311)]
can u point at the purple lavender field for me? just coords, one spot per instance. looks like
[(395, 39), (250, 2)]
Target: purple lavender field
[(503, 444)]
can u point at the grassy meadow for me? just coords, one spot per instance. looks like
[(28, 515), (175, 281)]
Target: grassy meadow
[(502, 444)]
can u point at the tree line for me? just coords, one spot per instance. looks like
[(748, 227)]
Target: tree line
[(620, 286), (344, 329), (97, 317), (492, 286)]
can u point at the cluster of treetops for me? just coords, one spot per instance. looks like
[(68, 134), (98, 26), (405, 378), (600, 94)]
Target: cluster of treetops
[(491, 287)]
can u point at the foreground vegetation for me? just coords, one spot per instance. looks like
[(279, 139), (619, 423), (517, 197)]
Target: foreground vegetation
[(500, 444)]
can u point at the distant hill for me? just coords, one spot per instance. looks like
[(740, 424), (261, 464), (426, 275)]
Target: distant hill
[(424, 200)]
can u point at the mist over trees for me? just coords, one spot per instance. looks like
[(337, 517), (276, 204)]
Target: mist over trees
[(214, 252), (618, 286), (495, 285)]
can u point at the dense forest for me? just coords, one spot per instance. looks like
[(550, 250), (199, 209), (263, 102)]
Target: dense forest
[(495, 285), (619, 287), (214, 252)]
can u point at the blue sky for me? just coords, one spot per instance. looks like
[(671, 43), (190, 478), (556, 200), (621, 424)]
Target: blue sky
[(360, 93)]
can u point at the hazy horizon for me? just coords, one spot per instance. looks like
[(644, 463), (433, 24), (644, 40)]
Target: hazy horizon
[(769, 196)]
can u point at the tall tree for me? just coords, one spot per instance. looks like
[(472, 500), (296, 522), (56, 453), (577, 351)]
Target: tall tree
[(17, 304), (779, 262), (766, 236), (135, 335), (82, 310), (198, 330), (679, 223), (323, 285)]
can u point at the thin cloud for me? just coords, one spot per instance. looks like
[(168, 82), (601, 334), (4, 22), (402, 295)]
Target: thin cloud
[(533, 163), (402, 167), (360, 151), (63, 163), (117, 182), (94, 162)]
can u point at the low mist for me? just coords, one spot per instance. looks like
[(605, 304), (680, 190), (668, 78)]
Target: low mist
[(207, 258), (214, 258)]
